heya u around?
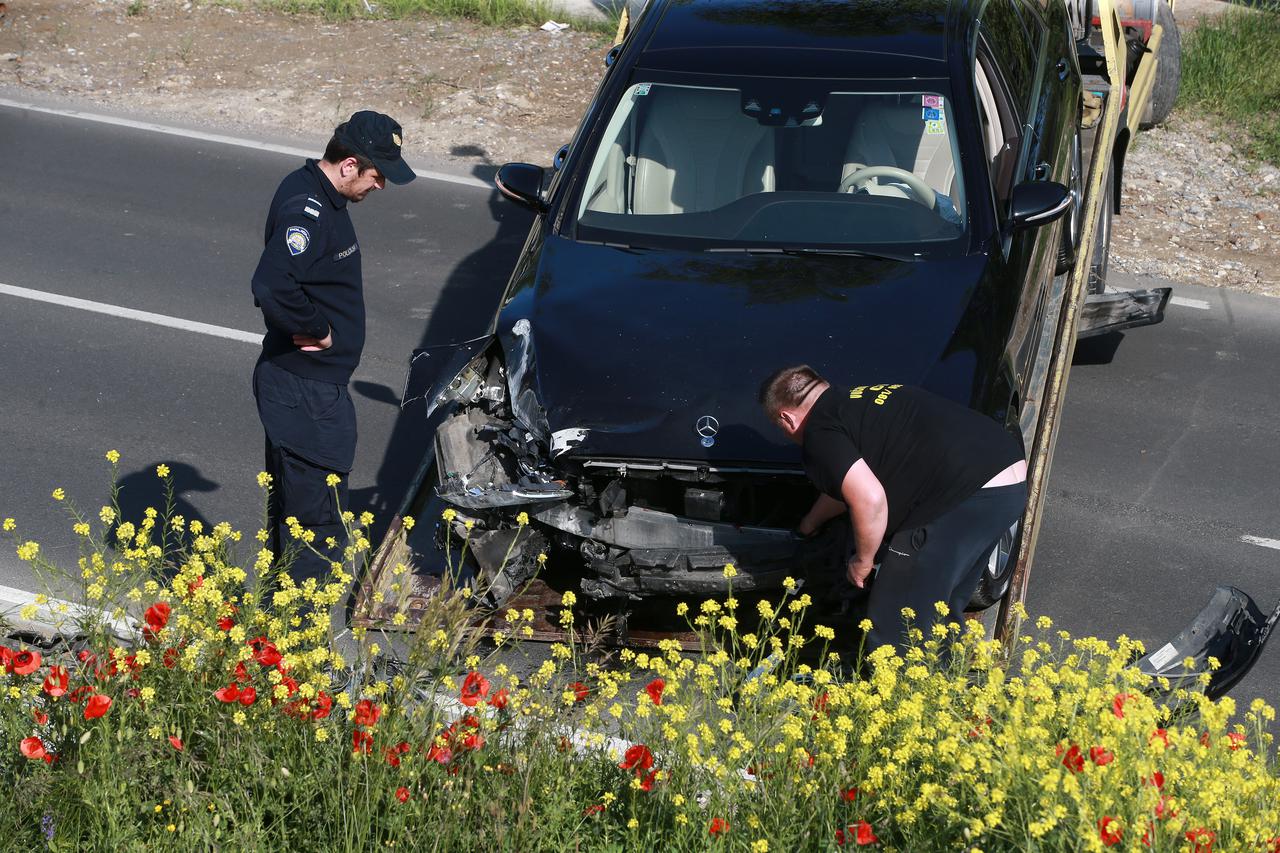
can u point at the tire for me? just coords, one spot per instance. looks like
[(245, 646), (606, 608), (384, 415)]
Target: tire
[(1102, 242), (998, 572), (1169, 73), (1069, 246)]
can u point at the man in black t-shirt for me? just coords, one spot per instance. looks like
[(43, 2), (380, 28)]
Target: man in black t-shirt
[(927, 481)]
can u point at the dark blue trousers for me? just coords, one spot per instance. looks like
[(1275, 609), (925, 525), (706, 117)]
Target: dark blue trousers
[(310, 430)]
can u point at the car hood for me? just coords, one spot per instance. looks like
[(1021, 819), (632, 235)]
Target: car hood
[(627, 350)]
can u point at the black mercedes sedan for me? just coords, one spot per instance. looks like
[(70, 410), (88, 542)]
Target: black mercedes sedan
[(883, 190)]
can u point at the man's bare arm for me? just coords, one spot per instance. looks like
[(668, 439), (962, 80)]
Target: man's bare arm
[(869, 514), (823, 510)]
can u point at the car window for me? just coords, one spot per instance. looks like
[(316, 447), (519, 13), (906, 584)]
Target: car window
[(1015, 47), (1001, 130), (826, 166)]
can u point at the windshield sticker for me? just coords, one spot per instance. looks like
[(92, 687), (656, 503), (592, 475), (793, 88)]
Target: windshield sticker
[(934, 101), (931, 114), (935, 128), (642, 89)]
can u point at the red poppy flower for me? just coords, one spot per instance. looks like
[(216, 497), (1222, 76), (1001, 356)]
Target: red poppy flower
[(593, 809), (367, 712), (718, 827), (439, 754), (1163, 809), (1110, 831), (39, 716), (1160, 734), (264, 651), (1101, 756), (241, 673), (33, 748), (97, 705), (157, 616), (393, 757), (861, 833), (6, 658), (226, 623), (475, 740), (1235, 740), (361, 741), (474, 688), (1156, 780), (647, 780), (822, 705), (55, 683), (637, 757), (247, 696), (1201, 840), (77, 696), (654, 689), (580, 691), (402, 794), (324, 703), (192, 586), (1117, 704), (1073, 760), (228, 694), (175, 742), (26, 662), (170, 657), (499, 699), (849, 795)]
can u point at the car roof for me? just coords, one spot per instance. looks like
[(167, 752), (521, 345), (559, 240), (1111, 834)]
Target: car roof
[(827, 38)]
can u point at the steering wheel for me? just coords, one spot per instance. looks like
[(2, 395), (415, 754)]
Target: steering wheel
[(921, 192)]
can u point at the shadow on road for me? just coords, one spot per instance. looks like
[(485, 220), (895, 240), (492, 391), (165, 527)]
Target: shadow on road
[(466, 305), (1097, 350)]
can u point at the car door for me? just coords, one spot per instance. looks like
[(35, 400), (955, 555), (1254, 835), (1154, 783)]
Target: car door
[(1010, 55)]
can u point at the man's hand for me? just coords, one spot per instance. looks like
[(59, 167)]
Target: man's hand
[(310, 344), (859, 570)]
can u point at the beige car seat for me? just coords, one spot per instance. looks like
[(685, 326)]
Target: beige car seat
[(696, 151), (891, 132)]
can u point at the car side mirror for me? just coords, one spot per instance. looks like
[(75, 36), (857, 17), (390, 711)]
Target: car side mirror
[(522, 183), (1037, 203), (612, 56)]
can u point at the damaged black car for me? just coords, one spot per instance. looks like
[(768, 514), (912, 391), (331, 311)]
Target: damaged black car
[(885, 191)]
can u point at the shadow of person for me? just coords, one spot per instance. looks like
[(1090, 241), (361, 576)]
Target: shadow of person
[(467, 302), (142, 489)]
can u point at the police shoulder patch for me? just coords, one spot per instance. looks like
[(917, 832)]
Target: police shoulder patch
[(297, 239)]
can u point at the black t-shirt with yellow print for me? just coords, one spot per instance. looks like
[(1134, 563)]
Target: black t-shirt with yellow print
[(928, 452)]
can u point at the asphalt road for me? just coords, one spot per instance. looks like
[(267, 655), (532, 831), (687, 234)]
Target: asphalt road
[(1163, 484)]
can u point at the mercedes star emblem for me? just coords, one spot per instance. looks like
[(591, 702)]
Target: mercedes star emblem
[(707, 427)]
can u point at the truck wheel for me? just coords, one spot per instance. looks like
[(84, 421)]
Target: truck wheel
[(1069, 247), (1102, 242), (1169, 72), (998, 572)]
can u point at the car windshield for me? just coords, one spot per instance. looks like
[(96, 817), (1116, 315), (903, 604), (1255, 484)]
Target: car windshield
[(792, 165)]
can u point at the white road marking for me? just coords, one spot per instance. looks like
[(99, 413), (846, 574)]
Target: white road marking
[(1260, 541), (132, 314), (223, 139), (1189, 303)]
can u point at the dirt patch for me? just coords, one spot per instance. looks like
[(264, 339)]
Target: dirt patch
[(1196, 210)]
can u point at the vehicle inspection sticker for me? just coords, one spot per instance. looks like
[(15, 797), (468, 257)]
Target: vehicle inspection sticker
[(934, 101), (643, 89), (931, 114), (935, 128)]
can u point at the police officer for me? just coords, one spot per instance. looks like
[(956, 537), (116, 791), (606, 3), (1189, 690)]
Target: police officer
[(309, 288), (927, 483)]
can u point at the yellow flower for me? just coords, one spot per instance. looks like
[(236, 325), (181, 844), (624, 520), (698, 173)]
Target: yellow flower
[(264, 479), (408, 522), (568, 599), (58, 494), (162, 471), (27, 551), (730, 571), (113, 456), (449, 514), (80, 529), (9, 524), (522, 519), (332, 480), (682, 608), (29, 612), (760, 846), (633, 824)]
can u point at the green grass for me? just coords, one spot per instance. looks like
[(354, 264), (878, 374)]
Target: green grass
[(495, 13), (1231, 68)]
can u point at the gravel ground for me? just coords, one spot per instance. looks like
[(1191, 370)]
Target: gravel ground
[(1196, 210)]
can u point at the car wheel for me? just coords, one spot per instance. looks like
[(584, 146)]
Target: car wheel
[(998, 572), (1102, 242), (1069, 247), (1169, 72)]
